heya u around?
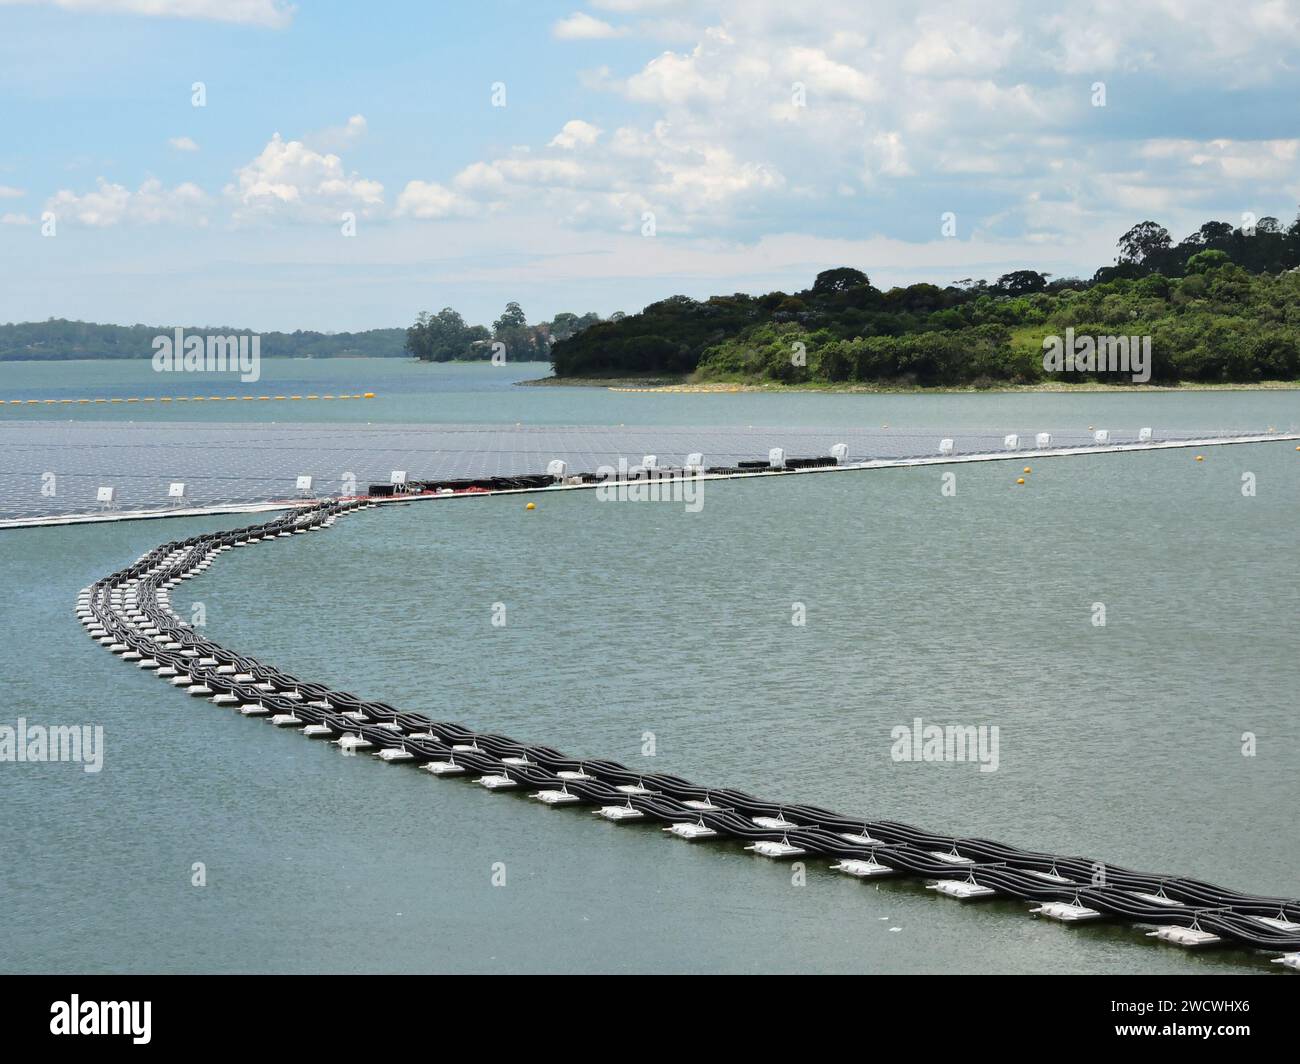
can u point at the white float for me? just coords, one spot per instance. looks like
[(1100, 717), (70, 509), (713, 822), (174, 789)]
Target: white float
[(1066, 912), (863, 869), (691, 832), (775, 850), (1187, 937), (395, 753), (860, 840), (444, 768), (619, 812), (962, 889), (554, 797)]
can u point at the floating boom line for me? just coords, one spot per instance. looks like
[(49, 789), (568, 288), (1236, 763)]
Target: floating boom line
[(130, 613)]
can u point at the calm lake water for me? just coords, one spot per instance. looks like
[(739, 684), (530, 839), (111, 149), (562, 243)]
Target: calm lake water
[(1122, 743)]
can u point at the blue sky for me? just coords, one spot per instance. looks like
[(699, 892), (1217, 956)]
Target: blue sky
[(645, 148)]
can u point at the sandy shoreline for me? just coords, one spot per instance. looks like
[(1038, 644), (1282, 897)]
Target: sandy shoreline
[(683, 385)]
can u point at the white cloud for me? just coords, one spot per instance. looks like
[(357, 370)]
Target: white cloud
[(12, 218), (270, 13), (336, 138), (822, 74), (576, 133), (948, 48), (289, 179), (428, 200), (674, 79), (582, 27), (1230, 160), (183, 143), (151, 204), (9, 192)]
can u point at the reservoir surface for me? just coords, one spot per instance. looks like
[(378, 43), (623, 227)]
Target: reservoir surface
[(642, 626)]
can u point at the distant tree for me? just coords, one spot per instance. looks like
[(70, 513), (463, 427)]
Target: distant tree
[(443, 337), (1021, 282), (1142, 242), (1204, 261), (840, 279), (521, 342), (565, 324)]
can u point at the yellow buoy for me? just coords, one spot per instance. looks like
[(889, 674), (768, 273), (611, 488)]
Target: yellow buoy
[(1020, 480), (531, 506), (1028, 470), (368, 395), (1200, 458)]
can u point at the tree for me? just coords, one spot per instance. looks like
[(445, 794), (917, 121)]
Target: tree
[(443, 337), (511, 318), (1022, 282), (521, 341), (1142, 242), (840, 279), (1204, 261)]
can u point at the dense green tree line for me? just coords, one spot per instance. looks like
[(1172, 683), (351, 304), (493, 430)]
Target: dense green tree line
[(1218, 306), (445, 336), (58, 339)]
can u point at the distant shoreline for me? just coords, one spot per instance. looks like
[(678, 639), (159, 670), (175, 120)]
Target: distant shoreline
[(682, 384)]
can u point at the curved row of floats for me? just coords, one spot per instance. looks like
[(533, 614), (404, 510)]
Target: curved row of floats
[(130, 613)]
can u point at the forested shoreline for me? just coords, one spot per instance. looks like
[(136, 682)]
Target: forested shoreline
[(1222, 305)]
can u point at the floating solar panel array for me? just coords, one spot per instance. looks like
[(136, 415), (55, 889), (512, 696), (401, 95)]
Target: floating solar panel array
[(51, 468)]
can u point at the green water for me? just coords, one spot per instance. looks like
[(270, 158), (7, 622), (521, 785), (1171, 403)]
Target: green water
[(1122, 743)]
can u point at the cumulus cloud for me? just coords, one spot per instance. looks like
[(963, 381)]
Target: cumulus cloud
[(274, 14), (290, 180), (152, 203), (429, 200), (183, 143), (576, 133), (9, 192), (582, 27), (336, 138)]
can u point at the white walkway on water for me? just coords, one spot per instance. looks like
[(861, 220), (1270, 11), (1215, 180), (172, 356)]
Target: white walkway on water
[(236, 468)]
